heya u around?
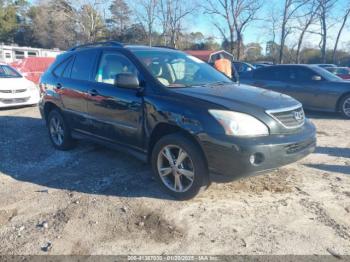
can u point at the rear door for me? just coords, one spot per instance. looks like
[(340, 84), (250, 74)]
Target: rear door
[(116, 113), (73, 86)]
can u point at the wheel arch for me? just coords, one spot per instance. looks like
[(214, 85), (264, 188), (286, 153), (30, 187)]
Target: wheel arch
[(48, 107), (163, 129), (338, 109)]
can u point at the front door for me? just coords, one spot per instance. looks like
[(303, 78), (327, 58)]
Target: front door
[(116, 113)]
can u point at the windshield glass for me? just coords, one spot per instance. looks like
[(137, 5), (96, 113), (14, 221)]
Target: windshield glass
[(176, 69), (326, 74), (8, 72)]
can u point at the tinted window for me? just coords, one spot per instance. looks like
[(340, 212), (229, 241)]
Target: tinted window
[(83, 64), (68, 69), (58, 71), (268, 73), (303, 74), (113, 64)]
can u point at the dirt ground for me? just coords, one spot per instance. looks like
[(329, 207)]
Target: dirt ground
[(96, 201)]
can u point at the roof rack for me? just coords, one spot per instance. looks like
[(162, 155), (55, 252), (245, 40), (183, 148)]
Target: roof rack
[(96, 44)]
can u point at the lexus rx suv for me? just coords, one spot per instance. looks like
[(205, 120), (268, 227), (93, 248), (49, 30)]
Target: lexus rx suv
[(168, 108)]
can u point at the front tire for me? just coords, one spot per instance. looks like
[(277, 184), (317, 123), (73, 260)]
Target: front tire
[(179, 166), (345, 106), (59, 131)]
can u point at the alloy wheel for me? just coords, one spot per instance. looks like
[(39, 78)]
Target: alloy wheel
[(175, 168), (56, 131), (346, 107)]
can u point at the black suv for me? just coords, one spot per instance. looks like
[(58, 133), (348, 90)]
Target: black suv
[(173, 110)]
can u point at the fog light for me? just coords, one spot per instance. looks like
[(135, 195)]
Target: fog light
[(256, 159)]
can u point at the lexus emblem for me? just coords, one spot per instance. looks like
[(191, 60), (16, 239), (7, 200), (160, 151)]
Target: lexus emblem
[(299, 115)]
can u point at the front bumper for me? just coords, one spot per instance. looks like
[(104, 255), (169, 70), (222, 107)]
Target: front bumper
[(237, 157), (26, 98)]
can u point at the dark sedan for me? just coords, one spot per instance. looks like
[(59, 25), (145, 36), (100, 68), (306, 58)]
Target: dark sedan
[(312, 85)]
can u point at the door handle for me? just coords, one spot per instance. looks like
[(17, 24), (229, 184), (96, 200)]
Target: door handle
[(93, 92), (58, 86)]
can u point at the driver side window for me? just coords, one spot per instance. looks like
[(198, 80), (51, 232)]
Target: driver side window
[(112, 64)]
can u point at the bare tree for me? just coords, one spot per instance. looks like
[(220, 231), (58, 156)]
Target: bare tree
[(90, 22), (344, 21), (290, 9), (305, 22), (146, 10), (326, 7), (244, 12), (238, 14), (173, 13), (222, 8)]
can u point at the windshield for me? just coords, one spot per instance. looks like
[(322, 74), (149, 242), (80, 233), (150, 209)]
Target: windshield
[(8, 72), (326, 74), (176, 69)]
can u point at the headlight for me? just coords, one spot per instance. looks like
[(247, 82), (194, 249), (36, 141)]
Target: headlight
[(33, 87), (240, 124)]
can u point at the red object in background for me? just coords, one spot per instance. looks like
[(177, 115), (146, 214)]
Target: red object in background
[(33, 67), (345, 77), (203, 55)]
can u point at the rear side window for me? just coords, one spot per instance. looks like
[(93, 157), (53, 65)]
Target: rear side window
[(67, 71), (83, 65), (58, 71)]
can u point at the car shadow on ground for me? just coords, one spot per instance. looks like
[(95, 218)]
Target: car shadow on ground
[(331, 168), (333, 151), (27, 155)]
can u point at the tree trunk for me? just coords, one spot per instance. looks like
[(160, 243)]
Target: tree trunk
[(339, 34), (239, 41), (283, 39), (324, 39)]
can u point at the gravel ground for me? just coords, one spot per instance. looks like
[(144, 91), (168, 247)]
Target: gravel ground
[(96, 201)]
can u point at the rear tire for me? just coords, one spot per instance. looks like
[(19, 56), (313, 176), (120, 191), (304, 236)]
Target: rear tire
[(179, 166), (345, 106), (59, 131)]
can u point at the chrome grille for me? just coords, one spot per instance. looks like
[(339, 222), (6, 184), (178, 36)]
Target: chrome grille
[(13, 91), (14, 100), (289, 117)]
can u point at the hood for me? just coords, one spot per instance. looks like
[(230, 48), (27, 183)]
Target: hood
[(234, 96), (14, 83)]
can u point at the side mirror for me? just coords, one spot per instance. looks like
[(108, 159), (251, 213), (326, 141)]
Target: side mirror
[(316, 78), (127, 80)]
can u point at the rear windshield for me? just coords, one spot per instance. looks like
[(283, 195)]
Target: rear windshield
[(8, 72)]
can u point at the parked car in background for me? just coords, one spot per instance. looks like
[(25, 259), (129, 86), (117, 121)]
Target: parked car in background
[(242, 67), (342, 72), (258, 65), (325, 65), (15, 90), (33, 67), (173, 110), (315, 87)]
